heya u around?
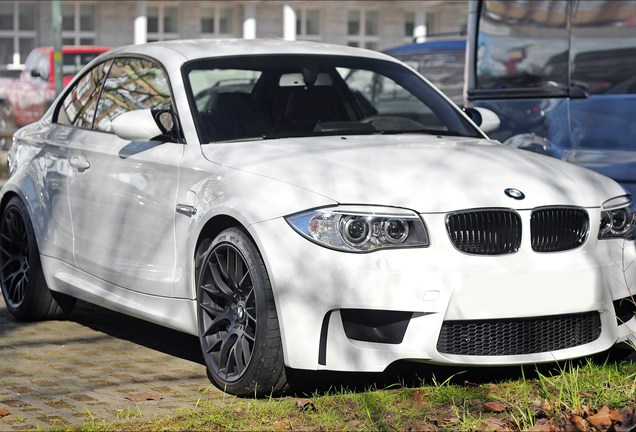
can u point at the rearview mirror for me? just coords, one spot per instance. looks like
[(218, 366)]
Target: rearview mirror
[(138, 125)]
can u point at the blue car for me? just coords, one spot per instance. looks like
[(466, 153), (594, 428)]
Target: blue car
[(561, 78), (441, 62)]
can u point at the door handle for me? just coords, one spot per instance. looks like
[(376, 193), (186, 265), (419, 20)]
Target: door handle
[(79, 162)]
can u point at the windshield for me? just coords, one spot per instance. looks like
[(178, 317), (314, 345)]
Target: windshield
[(296, 95)]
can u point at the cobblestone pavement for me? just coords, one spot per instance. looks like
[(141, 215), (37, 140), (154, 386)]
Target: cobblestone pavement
[(63, 373)]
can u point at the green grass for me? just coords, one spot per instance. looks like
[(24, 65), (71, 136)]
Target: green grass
[(442, 405)]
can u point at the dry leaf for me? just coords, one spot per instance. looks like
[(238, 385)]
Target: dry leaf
[(627, 421), (421, 427), (141, 397), (543, 404), (436, 421), (542, 425), (418, 400), (305, 405), (281, 424), (469, 384), (494, 407), (495, 424), (565, 425), (615, 415), (4, 412), (352, 425), (579, 423), (601, 420)]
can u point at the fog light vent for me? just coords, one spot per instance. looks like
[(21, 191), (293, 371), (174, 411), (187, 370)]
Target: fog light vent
[(376, 326)]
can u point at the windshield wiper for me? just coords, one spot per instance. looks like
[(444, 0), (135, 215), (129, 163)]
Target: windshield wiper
[(420, 131)]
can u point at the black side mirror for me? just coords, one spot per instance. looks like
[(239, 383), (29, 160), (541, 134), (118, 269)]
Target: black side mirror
[(474, 115), (38, 73)]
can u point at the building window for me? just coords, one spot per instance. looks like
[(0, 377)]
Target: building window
[(430, 24), (78, 23), (163, 22), (463, 24), (17, 32), (363, 28), (409, 25), (308, 24), (217, 21)]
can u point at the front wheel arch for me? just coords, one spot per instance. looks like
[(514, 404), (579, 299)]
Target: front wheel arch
[(220, 315)]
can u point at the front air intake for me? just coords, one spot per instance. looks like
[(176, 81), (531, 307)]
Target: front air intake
[(518, 336)]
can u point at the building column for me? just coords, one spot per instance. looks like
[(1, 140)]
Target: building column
[(419, 32), (141, 23), (289, 22), (249, 20)]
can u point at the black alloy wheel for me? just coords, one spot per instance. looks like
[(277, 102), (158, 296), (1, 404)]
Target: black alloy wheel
[(238, 325), (23, 286)]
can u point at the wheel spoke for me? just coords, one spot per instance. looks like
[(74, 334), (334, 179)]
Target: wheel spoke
[(245, 352), (219, 280), (233, 267), (221, 262), (239, 355)]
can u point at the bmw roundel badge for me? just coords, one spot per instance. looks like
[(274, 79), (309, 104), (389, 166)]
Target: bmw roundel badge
[(514, 193)]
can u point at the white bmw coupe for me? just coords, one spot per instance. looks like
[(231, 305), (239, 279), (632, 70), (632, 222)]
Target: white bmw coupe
[(302, 206)]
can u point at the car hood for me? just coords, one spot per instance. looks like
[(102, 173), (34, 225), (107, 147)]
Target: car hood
[(424, 173)]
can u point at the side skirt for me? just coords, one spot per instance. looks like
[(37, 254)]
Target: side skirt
[(176, 313)]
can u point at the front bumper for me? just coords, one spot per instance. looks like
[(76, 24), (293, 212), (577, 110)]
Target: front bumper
[(313, 286)]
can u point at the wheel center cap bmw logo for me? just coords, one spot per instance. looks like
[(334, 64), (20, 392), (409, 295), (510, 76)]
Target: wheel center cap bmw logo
[(514, 193), (240, 312)]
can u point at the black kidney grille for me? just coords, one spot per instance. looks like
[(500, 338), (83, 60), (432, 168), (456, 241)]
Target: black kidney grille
[(556, 229), (485, 232), (518, 336)]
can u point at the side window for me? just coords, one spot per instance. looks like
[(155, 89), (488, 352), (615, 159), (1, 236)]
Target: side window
[(78, 107), (43, 66), (522, 44), (132, 84), (31, 64), (604, 47)]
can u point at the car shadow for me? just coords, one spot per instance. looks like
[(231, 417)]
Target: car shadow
[(137, 331), (401, 374)]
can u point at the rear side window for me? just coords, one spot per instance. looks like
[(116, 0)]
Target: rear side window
[(132, 84), (604, 46), (522, 44), (78, 107)]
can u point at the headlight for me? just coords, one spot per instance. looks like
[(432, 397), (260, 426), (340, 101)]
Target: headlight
[(617, 218), (361, 228)]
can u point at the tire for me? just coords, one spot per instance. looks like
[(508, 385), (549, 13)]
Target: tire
[(23, 286), (237, 320)]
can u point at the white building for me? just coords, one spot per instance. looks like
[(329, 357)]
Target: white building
[(371, 24)]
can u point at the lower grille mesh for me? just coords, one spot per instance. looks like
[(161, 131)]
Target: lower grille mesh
[(518, 336)]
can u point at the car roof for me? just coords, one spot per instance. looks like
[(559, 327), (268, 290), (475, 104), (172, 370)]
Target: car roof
[(205, 48)]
